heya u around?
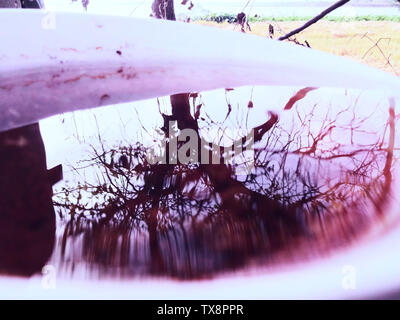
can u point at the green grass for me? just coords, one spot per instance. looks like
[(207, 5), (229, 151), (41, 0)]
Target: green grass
[(231, 18)]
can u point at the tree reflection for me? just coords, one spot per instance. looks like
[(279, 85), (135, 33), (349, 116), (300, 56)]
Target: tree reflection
[(315, 185)]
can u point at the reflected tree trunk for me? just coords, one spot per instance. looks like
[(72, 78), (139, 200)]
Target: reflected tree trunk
[(161, 9)]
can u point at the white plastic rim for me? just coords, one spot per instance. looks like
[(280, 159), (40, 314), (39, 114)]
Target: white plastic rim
[(57, 62)]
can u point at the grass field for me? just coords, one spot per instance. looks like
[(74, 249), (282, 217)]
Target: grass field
[(354, 39), (226, 17)]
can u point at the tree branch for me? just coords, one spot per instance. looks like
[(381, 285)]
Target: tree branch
[(315, 19)]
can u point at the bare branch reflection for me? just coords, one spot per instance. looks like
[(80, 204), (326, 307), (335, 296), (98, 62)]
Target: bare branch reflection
[(320, 179)]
